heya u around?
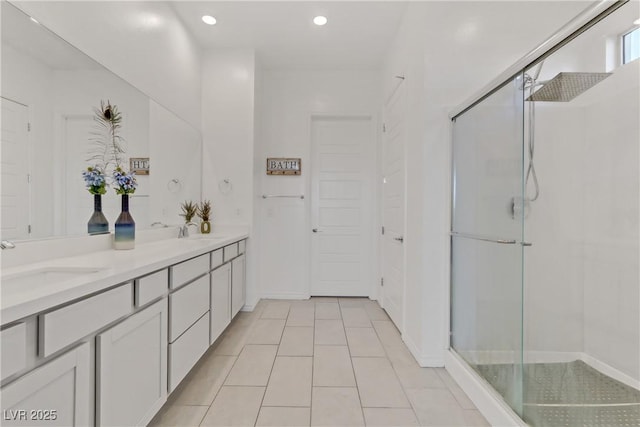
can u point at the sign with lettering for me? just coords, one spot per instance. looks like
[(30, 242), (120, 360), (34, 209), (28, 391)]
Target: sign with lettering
[(284, 166), (139, 165)]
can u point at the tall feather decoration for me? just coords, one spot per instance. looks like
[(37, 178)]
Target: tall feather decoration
[(107, 150)]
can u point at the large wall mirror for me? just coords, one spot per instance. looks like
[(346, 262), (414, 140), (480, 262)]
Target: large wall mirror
[(49, 92)]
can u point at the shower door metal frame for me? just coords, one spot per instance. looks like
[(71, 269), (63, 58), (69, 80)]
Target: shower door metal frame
[(499, 411), (578, 25)]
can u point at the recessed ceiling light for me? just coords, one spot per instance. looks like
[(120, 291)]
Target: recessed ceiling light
[(320, 20), (636, 22), (209, 20), (34, 20)]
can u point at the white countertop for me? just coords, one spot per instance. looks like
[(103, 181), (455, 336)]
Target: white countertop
[(113, 267)]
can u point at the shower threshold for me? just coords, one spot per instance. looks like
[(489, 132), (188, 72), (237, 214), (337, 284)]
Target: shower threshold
[(568, 394)]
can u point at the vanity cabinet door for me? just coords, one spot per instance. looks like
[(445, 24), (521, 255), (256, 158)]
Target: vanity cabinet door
[(220, 301), (57, 393), (131, 368), (237, 284)]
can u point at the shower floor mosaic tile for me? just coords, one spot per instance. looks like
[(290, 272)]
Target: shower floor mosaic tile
[(568, 394)]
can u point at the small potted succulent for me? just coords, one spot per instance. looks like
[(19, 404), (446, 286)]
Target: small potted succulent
[(189, 210), (204, 212)]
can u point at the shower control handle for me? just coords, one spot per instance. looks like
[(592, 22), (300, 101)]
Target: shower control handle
[(399, 239)]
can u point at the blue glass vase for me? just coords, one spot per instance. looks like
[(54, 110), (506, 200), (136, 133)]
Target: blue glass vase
[(125, 236), (98, 223)]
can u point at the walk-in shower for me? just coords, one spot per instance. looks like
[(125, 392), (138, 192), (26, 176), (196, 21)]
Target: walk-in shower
[(545, 281)]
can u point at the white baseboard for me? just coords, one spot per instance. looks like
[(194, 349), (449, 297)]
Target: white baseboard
[(487, 400), (286, 295), (424, 361)]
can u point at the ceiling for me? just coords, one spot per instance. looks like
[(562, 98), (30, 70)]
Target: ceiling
[(282, 32)]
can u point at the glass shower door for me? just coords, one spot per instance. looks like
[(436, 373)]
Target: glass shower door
[(486, 242)]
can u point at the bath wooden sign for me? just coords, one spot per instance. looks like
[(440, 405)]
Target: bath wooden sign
[(284, 166), (139, 165)]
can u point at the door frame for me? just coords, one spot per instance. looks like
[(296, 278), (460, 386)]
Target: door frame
[(30, 161), (375, 199), (399, 89)]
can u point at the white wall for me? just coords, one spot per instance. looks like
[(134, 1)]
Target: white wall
[(288, 99), (582, 278), (175, 154), (143, 42), (227, 131), (228, 99), (611, 200), (448, 51), (582, 271)]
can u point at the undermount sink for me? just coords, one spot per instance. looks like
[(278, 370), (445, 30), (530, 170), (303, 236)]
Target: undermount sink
[(47, 275), (206, 237)]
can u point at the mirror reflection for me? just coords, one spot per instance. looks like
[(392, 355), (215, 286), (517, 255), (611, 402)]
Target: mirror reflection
[(50, 91)]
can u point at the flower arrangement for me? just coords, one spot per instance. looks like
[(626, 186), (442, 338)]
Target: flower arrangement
[(125, 183), (95, 180), (189, 210), (204, 210)]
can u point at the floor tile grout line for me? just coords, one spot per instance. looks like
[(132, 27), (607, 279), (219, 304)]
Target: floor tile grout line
[(393, 368), (227, 376), (313, 361), (221, 385), (271, 371), (355, 378)]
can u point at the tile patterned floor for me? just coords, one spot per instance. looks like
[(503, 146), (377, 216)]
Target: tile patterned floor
[(321, 362)]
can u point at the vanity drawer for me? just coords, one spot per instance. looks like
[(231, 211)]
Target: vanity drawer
[(217, 258), (69, 324), (151, 287), (14, 349), (230, 252), (185, 352), (242, 246), (188, 270), (187, 305)]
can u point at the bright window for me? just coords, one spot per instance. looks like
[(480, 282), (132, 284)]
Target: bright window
[(631, 46)]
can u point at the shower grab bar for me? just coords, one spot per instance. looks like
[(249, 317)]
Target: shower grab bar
[(484, 238), (270, 196)]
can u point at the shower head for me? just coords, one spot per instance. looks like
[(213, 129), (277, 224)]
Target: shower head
[(566, 86)]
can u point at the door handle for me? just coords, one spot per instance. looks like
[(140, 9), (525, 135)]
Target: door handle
[(315, 230), (399, 239)]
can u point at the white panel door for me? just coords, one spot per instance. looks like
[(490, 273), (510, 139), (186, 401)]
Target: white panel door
[(55, 394), (393, 203), (131, 368), (14, 147), (342, 205)]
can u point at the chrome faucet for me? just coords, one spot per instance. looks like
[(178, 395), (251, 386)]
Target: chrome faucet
[(184, 230), (161, 224), (7, 245)]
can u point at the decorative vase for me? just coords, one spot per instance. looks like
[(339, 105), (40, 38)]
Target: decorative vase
[(98, 223), (205, 227), (125, 236)]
